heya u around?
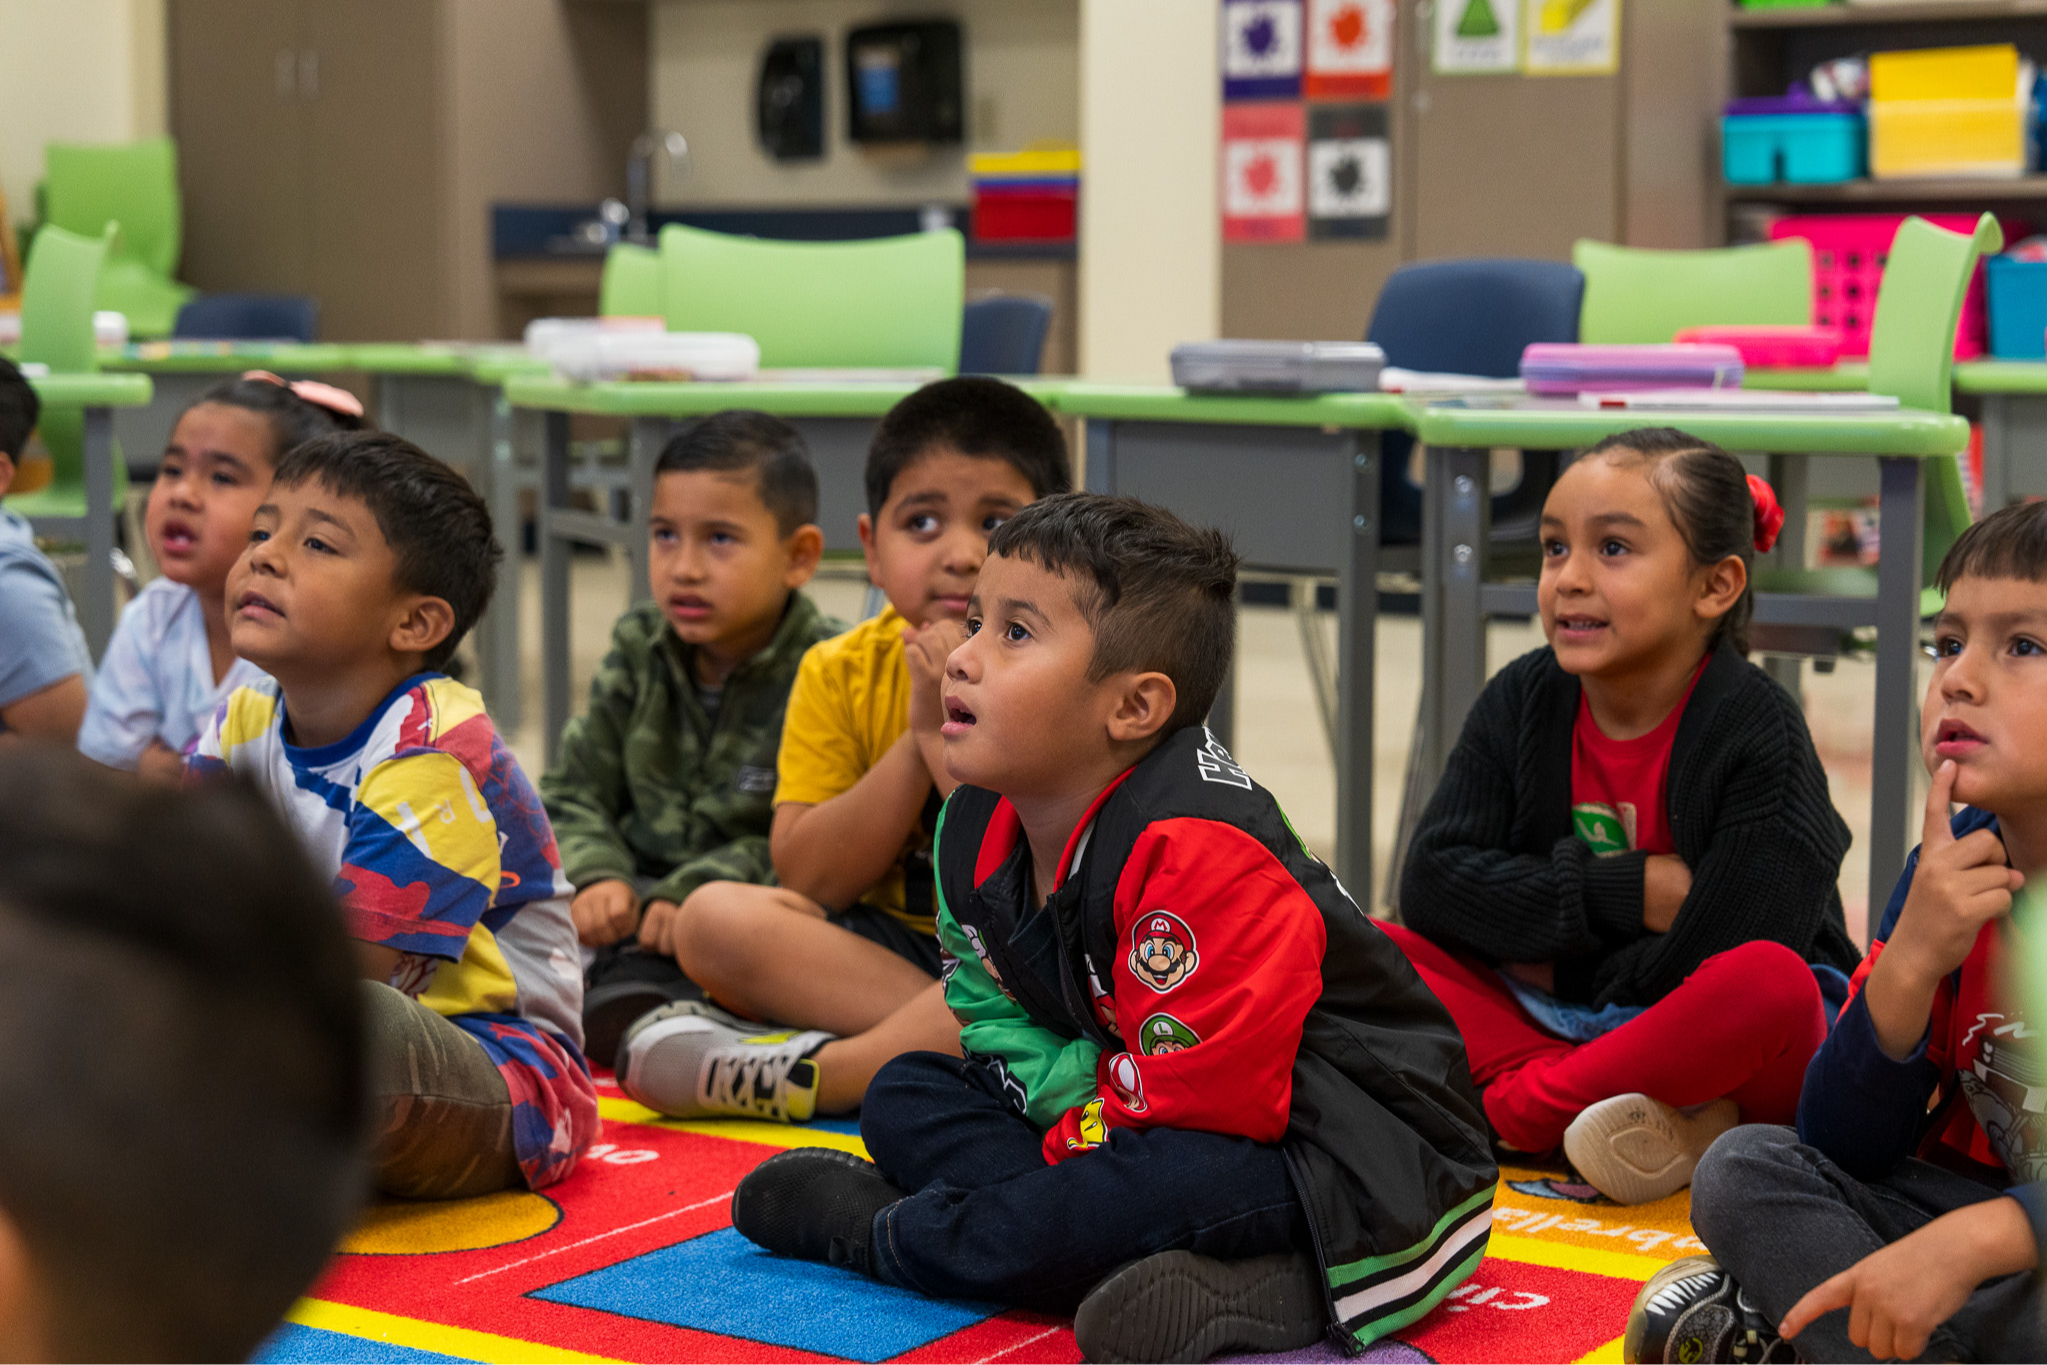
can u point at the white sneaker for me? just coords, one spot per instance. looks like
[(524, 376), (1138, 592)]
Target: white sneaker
[(1633, 1149), (692, 1061)]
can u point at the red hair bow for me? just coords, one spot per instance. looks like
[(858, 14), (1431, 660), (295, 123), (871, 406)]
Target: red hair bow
[(313, 391), (1769, 516)]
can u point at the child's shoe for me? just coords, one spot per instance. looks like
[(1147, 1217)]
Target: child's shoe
[(1180, 1306), (691, 1060), (815, 1204), (1633, 1149), (1693, 1311)]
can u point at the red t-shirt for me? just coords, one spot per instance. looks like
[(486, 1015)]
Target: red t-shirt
[(1617, 785)]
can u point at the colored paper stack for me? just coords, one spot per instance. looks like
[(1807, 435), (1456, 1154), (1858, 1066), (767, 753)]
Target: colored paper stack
[(1554, 368), (1027, 196)]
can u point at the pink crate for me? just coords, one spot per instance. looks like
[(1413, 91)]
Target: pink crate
[(1848, 253)]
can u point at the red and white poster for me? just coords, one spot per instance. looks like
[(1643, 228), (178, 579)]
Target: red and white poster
[(1263, 188), (1349, 49)]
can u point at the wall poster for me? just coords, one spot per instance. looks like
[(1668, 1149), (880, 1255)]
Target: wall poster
[(1350, 49), (1263, 198), (1350, 172), (1476, 37), (1261, 56), (1571, 37)]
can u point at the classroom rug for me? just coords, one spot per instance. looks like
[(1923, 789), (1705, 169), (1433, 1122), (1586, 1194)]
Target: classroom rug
[(633, 1258)]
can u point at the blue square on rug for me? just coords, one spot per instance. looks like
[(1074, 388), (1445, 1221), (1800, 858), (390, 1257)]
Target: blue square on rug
[(722, 1283)]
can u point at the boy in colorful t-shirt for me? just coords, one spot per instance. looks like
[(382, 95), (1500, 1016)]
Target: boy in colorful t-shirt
[(366, 565)]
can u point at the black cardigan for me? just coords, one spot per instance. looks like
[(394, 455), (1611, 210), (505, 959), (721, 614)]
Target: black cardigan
[(1496, 872)]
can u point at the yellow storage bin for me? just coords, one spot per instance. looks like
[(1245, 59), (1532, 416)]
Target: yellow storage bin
[(1947, 111), (1944, 73)]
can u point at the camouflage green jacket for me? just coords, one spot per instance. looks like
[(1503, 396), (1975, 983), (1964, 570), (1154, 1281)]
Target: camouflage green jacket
[(648, 787)]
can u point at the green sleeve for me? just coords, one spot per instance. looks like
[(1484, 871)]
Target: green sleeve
[(1056, 1073), (743, 860), (585, 790)]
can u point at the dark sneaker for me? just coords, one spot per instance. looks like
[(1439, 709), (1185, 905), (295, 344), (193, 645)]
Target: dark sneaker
[(691, 1060), (815, 1204), (1180, 1306), (1693, 1312)]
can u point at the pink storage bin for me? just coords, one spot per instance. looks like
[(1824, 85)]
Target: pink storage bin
[(1848, 254), (1773, 348)]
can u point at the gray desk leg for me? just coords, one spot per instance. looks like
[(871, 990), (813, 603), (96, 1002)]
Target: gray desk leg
[(1996, 452), (555, 550), (1895, 744), (1357, 596), (1455, 509), (649, 434), (497, 635), (1788, 478), (96, 612)]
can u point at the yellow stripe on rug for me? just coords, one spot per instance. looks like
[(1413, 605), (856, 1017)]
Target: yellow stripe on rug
[(1620, 1265), (367, 1323), (621, 1110), (1609, 1354)]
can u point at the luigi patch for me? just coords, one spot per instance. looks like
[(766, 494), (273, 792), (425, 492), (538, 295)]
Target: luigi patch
[(1603, 829), (1126, 1083), (1162, 952), (1163, 1033)]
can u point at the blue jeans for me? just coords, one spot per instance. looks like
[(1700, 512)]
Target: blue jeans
[(988, 1219)]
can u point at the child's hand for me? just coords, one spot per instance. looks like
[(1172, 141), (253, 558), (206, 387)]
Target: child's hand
[(604, 911), (1666, 881), (925, 649), (1896, 1296), (161, 763), (658, 926), (1961, 885)]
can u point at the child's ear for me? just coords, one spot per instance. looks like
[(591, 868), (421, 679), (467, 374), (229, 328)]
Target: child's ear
[(1721, 587), (6, 474), (803, 549), (1144, 704), (866, 528), (427, 621)]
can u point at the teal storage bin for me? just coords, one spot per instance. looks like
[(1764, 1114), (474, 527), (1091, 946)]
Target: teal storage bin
[(1799, 149), (2017, 299)]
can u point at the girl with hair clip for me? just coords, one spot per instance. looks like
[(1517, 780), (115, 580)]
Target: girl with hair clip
[(1624, 886), (169, 664)]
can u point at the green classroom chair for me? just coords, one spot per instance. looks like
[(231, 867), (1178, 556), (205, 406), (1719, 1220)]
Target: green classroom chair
[(58, 287), (1911, 358), (631, 286), (890, 302), (135, 184), (1635, 294)]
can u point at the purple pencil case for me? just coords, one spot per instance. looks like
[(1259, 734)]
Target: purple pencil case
[(1551, 368)]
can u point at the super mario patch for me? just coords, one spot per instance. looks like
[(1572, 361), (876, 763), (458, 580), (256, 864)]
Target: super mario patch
[(1162, 952), (1126, 1083), (1163, 1033)]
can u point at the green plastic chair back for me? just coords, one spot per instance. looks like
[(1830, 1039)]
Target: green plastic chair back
[(58, 284), (1912, 348), (135, 184), (1635, 294), (891, 302), (632, 283)]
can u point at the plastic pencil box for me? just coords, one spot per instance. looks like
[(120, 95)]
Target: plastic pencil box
[(1278, 366), (1550, 368)]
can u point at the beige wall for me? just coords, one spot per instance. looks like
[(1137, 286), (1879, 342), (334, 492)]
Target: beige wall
[(1150, 234), (1022, 86), (74, 71)]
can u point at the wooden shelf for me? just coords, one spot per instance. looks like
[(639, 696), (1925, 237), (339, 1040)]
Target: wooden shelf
[(1951, 189), (1834, 16)]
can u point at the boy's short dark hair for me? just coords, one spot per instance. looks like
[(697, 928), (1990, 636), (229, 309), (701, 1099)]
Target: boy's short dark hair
[(1159, 594), (20, 409), (739, 438), (181, 1059), (430, 516), (974, 415), (2009, 543)]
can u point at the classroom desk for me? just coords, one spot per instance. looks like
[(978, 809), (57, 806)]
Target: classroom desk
[(2013, 394), (1456, 602), (99, 395), (836, 420), (1295, 482), (185, 369)]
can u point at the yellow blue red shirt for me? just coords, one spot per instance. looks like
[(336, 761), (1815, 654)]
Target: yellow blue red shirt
[(441, 850)]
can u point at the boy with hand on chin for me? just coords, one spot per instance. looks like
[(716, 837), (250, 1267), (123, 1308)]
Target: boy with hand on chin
[(1904, 1217), (366, 565), (1203, 1098), (664, 783), (844, 950)]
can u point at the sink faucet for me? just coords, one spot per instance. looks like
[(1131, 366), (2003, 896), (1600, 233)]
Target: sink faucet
[(639, 168)]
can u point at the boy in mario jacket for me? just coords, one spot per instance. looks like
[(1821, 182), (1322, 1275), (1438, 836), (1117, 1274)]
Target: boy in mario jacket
[(1203, 1097)]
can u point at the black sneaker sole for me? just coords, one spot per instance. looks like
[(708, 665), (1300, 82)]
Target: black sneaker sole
[(1179, 1306), (814, 1204)]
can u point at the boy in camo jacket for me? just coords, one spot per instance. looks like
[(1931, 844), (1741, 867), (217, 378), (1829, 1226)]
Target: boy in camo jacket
[(667, 781)]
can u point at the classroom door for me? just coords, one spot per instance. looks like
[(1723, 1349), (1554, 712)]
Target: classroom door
[(1510, 165)]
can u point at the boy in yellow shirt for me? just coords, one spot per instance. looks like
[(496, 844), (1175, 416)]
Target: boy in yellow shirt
[(844, 952)]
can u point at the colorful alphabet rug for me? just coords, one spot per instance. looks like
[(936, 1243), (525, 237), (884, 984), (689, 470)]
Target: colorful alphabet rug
[(633, 1258)]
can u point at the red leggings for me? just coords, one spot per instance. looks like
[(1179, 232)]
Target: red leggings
[(1743, 1026)]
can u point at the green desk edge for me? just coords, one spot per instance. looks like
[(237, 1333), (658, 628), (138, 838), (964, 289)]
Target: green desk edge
[(93, 390), (199, 357), (2001, 376), (1162, 403), (651, 398), (1848, 377), (1907, 431)]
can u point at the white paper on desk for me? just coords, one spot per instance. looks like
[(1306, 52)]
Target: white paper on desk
[(1393, 379), (1739, 400), (852, 374)]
